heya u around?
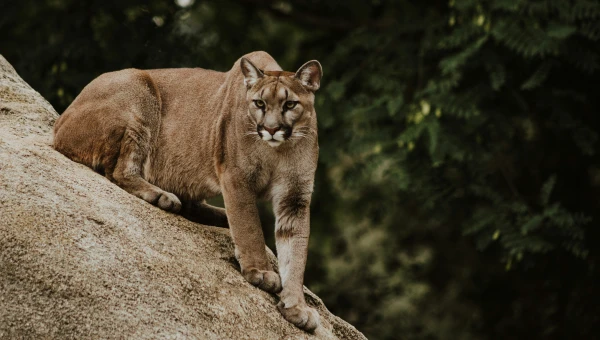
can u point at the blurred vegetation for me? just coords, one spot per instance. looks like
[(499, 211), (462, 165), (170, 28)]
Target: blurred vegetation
[(457, 195)]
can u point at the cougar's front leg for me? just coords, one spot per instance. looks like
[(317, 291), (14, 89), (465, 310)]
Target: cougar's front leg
[(292, 230), (248, 238)]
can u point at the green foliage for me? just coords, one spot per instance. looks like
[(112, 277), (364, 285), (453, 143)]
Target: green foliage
[(456, 195)]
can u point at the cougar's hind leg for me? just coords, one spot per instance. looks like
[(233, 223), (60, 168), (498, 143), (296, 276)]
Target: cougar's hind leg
[(136, 146), (204, 213), (128, 172)]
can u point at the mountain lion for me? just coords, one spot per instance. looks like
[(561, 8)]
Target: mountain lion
[(189, 134)]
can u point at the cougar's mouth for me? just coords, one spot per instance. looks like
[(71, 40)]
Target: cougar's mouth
[(273, 137)]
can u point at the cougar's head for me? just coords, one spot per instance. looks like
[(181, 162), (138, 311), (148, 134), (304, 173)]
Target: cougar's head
[(280, 104)]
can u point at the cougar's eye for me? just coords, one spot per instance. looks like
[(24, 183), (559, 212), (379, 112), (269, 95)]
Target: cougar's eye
[(290, 105), (259, 103)]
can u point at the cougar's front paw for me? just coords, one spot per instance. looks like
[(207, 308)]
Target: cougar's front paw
[(301, 316), (266, 280)]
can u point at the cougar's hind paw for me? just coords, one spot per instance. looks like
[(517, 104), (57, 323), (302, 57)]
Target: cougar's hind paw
[(162, 199), (169, 202)]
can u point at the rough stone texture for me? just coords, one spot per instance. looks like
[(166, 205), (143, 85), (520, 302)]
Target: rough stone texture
[(81, 258)]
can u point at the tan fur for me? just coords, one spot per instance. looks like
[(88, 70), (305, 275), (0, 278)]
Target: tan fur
[(190, 134)]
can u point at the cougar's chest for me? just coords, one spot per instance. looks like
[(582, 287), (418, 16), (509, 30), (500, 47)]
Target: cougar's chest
[(258, 176)]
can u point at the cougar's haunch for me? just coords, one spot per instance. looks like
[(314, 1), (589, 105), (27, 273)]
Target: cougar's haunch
[(175, 137)]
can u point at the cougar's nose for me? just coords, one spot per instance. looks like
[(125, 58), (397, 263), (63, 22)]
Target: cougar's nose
[(272, 130)]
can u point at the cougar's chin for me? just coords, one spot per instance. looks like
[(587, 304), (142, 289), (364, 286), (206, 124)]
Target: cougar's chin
[(274, 143)]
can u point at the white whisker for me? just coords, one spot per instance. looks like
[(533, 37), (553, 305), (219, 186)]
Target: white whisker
[(305, 130)]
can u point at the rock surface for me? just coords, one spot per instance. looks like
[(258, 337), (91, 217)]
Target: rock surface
[(81, 258)]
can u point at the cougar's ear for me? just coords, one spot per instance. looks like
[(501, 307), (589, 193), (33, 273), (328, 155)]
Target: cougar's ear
[(310, 75), (251, 73)]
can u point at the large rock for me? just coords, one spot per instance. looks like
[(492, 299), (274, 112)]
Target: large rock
[(81, 258)]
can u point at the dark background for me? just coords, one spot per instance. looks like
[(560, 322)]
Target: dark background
[(457, 190)]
